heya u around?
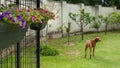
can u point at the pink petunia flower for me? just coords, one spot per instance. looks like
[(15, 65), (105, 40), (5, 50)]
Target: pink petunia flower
[(33, 18)]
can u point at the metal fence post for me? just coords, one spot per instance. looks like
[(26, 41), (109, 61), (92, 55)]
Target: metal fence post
[(1, 59), (38, 4), (18, 55), (17, 2), (38, 40), (38, 48)]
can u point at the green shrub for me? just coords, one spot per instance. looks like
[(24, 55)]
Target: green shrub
[(48, 51)]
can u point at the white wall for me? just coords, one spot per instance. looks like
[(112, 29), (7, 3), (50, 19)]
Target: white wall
[(74, 8)]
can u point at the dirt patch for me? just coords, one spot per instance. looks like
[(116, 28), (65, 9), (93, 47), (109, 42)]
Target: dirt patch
[(70, 44), (73, 53)]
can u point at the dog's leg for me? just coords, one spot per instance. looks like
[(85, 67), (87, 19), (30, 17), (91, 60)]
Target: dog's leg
[(93, 50), (90, 52), (85, 51)]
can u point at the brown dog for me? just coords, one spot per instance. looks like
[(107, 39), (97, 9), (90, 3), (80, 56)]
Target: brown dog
[(91, 44)]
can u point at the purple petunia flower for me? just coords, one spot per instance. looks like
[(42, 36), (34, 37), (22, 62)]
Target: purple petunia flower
[(6, 13), (1, 17), (11, 19), (23, 23), (19, 18)]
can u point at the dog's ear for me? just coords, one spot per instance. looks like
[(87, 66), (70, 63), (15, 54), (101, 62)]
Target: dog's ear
[(97, 39)]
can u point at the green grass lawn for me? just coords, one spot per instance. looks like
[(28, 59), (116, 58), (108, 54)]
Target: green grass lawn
[(107, 53)]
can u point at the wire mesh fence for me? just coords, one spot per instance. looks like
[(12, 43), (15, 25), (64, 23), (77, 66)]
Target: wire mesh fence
[(27, 57), (22, 3)]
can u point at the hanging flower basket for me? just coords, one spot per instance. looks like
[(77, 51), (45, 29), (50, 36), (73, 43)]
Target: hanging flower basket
[(15, 20), (38, 26), (10, 34)]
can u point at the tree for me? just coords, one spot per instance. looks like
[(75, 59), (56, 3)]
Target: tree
[(113, 18), (108, 2), (74, 1), (96, 23), (92, 2), (70, 1), (68, 31), (106, 21), (84, 19), (117, 3), (118, 19)]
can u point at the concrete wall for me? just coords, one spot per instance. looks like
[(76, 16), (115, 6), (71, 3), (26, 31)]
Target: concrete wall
[(74, 8)]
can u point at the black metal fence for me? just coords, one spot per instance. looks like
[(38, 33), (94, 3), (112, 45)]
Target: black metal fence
[(25, 3), (26, 57), (23, 54)]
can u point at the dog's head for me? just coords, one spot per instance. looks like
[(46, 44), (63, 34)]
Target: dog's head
[(97, 39)]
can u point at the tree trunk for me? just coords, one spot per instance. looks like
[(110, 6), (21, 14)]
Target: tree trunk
[(97, 31), (105, 29), (82, 31), (62, 32), (62, 18), (68, 38), (118, 25), (113, 28)]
